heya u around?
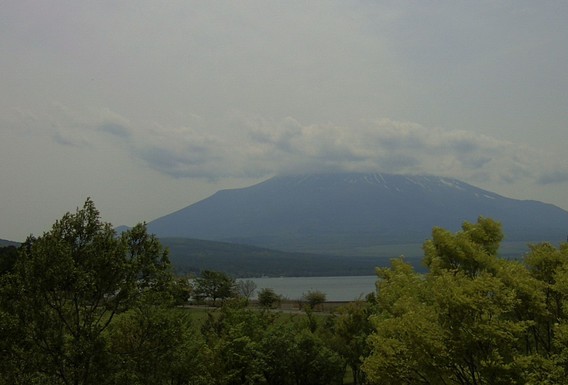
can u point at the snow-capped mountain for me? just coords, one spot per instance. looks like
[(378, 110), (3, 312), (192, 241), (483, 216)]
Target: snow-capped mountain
[(323, 211)]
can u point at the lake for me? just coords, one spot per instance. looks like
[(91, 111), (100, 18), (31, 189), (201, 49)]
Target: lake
[(335, 288)]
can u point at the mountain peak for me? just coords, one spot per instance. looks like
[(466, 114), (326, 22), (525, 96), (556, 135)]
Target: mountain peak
[(320, 212)]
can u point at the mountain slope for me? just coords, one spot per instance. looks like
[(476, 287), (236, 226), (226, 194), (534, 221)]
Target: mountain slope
[(323, 212), (193, 255), (6, 243)]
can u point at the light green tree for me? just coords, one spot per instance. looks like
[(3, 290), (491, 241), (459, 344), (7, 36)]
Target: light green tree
[(473, 318)]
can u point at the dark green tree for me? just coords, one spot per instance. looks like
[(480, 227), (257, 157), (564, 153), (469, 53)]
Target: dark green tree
[(233, 349), (72, 282), (214, 285), (351, 328), (248, 346), (314, 298), (268, 299), (313, 362), (8, 256), (155, 345)]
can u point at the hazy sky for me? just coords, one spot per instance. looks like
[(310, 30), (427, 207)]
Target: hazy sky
[(149, 106)]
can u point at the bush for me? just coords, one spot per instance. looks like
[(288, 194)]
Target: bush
[(314, 298), (267, 298)]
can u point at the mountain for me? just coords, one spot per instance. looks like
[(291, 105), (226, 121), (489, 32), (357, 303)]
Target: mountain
[(345, 211), (6, 243)]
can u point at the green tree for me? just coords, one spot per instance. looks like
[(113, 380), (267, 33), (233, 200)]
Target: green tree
[(267, 298), (233, 338), (406, 332), (72, 282), (314, 298), (548, 266), (214, 285), (8, 256), (473, 318), (313, 362), (471, 251), (350, 331), (181, 290), (156, 345), (248, 346)]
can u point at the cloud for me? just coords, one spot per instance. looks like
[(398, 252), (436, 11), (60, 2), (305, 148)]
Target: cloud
[(241, 145), (64, 138), (554, 177), (254, 146), (113, 123), (115, 129)]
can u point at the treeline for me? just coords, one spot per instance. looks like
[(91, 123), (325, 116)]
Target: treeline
[(191, 256), (81, 305)]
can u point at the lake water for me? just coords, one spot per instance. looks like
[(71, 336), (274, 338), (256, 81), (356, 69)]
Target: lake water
[(335, 288)]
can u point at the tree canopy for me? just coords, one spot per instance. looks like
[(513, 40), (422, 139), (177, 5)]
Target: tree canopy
[(69, 284), (83, 305), (474, 318)]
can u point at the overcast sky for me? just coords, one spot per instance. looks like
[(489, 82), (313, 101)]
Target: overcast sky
[(149, 106)]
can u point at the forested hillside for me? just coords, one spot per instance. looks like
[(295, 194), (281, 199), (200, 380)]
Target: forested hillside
[(4, 243), (105, 309), (190, 256)]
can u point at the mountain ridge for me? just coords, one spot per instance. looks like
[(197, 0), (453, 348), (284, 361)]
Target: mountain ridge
[(321, 212)]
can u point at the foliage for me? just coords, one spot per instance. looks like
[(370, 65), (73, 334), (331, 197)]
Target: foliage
[(350, 331), (246, 346), (71, 283), (155, 345), (267, 298), (181, 290), (82, 305), (191, 256), (214, 285), (313, 298), (8, 256), (473, 318)]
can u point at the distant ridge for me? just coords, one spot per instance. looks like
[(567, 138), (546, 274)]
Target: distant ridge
[(329, 212), (191, 256), (5, 243)]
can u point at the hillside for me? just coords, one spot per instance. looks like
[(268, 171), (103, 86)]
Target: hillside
[(193, 256), (4, 243), (343, 213)]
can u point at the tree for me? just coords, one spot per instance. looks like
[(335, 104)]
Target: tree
[(214, 285), (246, 346), (470, 251), (233, 337), (351, 329), (314, 298), (473, 318), (73, 280), (267, 298), (313, 363), (181, 290), (8, 256), (156, 345), (246, 288)]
